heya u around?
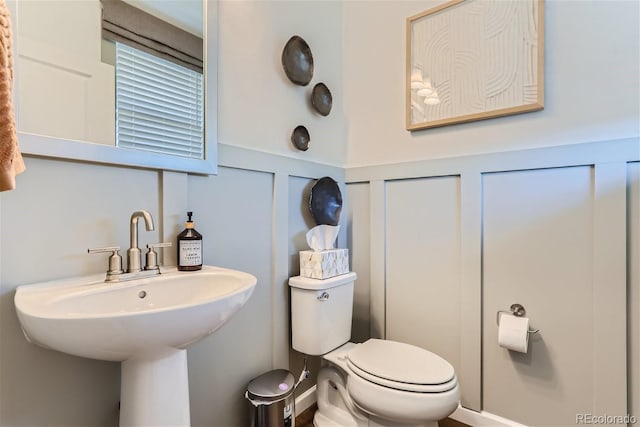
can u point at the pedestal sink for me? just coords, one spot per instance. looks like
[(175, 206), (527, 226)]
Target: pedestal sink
[(146, 324)]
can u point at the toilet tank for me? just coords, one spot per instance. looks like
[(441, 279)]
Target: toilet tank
[(321, 312)]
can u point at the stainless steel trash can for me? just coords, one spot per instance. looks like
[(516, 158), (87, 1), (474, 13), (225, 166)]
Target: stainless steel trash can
[(272, 401)]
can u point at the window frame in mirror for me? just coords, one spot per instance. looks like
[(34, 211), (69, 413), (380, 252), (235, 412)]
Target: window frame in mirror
[(59, 148)]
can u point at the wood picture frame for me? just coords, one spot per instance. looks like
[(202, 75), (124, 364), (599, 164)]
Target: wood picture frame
[(472, 60)]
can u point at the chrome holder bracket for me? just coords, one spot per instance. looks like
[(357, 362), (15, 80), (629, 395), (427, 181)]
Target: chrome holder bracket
[(515, 310)]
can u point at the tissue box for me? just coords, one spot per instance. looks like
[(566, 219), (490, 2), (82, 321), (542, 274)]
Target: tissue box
[(324, 264)]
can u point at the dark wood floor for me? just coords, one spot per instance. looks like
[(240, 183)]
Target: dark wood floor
[(305, 419)]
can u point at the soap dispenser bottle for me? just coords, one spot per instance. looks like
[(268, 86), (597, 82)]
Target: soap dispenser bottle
[(189, 247)]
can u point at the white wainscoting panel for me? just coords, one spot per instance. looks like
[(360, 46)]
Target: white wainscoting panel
[(358, 240), (554, 229), (377, 258), (610, 287), (64, 90), (471, 288), (538, 252), (423, 264), (633, 280)]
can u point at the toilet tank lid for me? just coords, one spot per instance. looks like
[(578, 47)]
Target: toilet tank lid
[(319, 284)]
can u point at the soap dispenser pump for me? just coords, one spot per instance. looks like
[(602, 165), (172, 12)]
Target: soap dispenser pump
[(189, 247)]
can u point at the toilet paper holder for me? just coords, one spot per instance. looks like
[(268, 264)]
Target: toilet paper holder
[(518, 311)]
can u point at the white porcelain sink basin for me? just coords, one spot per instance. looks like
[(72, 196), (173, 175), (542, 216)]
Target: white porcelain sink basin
[(144, 323), (117, 321)]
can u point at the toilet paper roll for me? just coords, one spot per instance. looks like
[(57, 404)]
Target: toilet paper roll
[(513, 333)]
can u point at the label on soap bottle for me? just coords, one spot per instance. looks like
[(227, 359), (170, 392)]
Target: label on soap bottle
[(190, 253)]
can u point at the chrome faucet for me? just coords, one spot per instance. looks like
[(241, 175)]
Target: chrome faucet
[(134, 255)]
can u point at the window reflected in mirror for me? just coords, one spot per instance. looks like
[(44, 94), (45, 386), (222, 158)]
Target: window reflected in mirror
[(159, 104)]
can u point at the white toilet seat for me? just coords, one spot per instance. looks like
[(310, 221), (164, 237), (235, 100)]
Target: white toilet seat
[(401, 386), (401, 366), (400, 382)]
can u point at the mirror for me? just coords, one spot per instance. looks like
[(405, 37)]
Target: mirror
[(65, 81)]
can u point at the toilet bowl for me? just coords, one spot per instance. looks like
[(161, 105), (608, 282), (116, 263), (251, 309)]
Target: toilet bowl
[(378, 383), (384, 383)]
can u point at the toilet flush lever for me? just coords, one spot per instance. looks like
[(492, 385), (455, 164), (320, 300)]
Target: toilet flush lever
[(324, 296)]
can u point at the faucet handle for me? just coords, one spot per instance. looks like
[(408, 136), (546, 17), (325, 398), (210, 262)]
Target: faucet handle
[(152, 256), (115, 260)]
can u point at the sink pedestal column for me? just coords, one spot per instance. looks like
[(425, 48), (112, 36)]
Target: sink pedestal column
[(154, 391)]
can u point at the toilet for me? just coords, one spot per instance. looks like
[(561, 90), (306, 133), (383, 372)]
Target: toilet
[(378, 383)]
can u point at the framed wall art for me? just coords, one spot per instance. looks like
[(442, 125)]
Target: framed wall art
[(474, 59)]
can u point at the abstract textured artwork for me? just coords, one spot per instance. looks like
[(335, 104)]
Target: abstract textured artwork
[(474, 59)]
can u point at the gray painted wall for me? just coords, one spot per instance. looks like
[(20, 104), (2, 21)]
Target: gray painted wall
[(553, 229), (576, 57), (268, 194), (60, 209), (234, 212), (66, 206)]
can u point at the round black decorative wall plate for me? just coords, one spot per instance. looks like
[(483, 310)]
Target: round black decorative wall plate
[(297, 61)]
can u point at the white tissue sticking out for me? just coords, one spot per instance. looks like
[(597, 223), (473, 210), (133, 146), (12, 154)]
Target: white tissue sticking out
[(322, 237)]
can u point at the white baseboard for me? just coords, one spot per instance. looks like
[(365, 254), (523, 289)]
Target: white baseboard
[(481, 419), (305, 400)]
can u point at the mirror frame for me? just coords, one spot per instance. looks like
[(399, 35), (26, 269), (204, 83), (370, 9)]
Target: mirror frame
[(58, 148)]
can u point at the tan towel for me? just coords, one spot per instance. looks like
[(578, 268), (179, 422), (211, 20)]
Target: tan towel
[(11, 162)]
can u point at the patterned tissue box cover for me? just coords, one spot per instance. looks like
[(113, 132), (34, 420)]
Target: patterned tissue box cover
[(324, 264)]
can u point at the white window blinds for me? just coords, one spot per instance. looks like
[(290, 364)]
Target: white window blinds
[(159, 105)]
